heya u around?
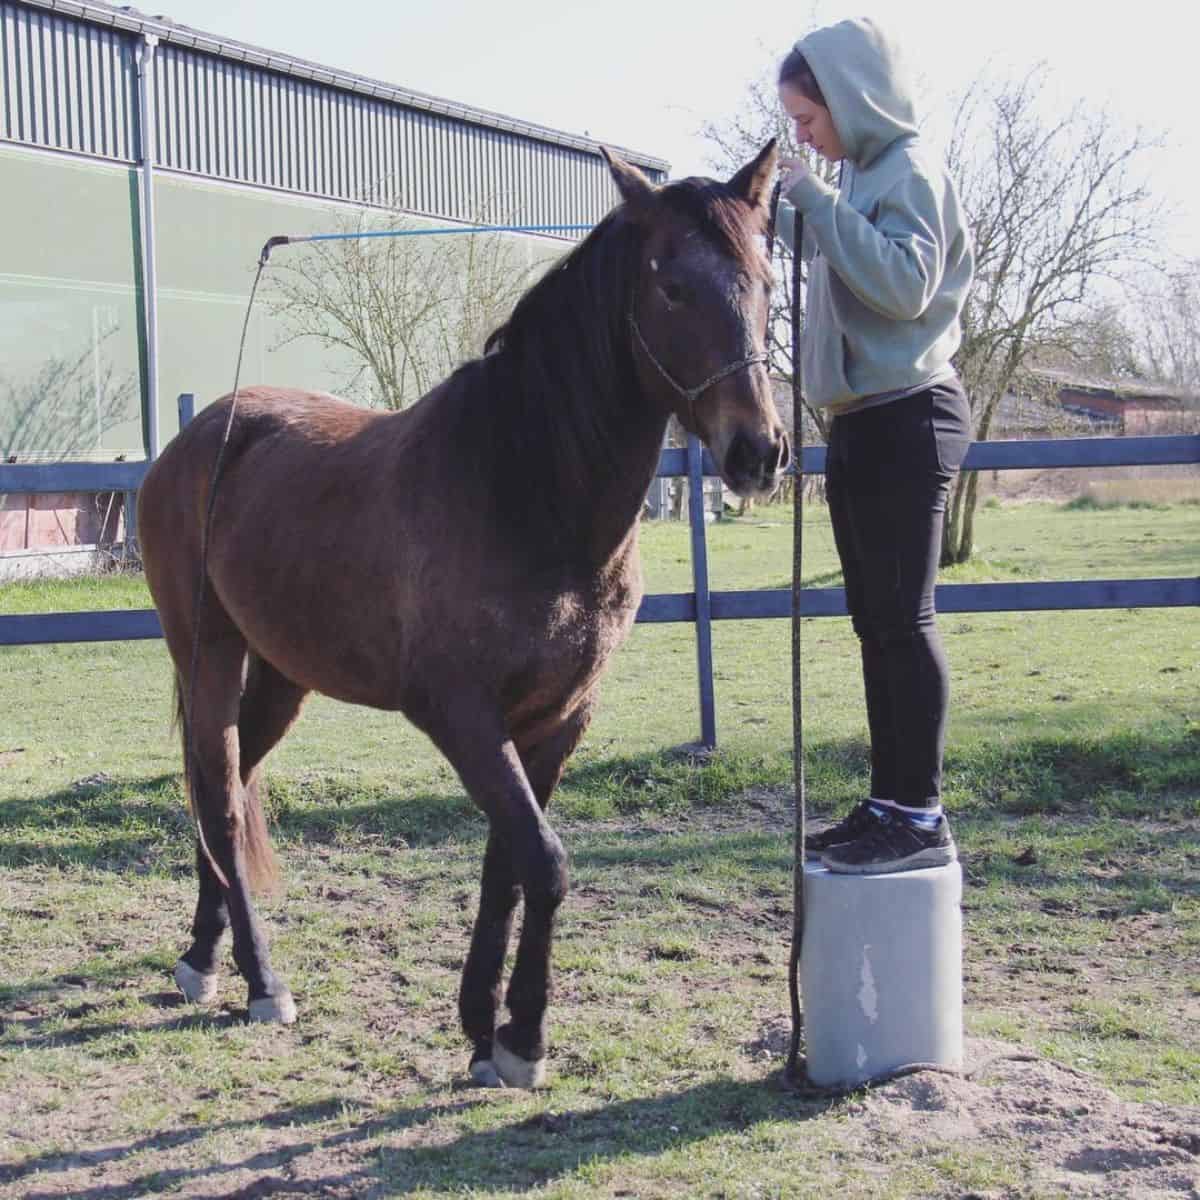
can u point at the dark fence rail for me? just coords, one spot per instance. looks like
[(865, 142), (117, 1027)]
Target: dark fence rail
[(701, 606), (1034, 454)]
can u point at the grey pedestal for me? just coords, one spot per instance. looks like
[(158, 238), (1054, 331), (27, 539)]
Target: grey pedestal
[(881, 972)]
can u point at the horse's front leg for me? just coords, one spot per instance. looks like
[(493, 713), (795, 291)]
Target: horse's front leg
[(523, 851), (531, 986), (480, 991)]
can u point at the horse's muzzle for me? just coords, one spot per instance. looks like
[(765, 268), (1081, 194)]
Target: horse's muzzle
[(753, 464)]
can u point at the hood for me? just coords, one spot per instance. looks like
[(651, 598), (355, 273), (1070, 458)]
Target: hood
[(862, 76)]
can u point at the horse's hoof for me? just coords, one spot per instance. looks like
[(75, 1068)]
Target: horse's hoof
[(516, 1071), (484, 1074), (281, 1009), (198, 987)]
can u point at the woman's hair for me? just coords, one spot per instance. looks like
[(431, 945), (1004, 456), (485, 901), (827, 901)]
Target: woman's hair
[(797, 74)]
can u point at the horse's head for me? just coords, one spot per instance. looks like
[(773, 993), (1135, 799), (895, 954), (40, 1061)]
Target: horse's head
[(698, 313)]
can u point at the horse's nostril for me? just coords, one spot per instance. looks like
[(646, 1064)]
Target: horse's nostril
[(757, 459), (741, 461)]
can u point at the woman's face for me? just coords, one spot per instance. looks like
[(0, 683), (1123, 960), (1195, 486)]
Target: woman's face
[(812, 123)]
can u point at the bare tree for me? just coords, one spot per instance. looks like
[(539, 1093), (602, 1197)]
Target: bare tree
[(401, 311), (734, 141), (1169, 304), (66, 405), (1057, 206), (1098, 342)]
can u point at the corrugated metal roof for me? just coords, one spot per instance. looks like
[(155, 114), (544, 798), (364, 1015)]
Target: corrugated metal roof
[(132, 21), (65, 91)]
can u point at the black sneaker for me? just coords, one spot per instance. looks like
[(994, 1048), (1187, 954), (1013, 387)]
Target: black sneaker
[(851, 826), (890, 843)]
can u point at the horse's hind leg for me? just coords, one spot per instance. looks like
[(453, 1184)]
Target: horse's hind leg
[(196, 970), (269, 706), (230, 822)]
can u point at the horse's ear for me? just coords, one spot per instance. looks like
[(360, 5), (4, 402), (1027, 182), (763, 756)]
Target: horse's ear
[(636, 190), (753, 181)]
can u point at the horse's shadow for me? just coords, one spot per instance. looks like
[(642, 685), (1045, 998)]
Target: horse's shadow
[(537, 1150), (142, 824), (31, 1030)]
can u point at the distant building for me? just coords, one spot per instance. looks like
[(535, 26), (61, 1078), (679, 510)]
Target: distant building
[(1126, 407)]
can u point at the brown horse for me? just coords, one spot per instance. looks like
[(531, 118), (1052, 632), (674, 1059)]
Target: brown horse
[(471, 562)]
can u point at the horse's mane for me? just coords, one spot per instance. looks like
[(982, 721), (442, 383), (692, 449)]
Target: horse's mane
[(557, 385)]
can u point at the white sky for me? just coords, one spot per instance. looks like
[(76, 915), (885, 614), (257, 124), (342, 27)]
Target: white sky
[(647, 73)]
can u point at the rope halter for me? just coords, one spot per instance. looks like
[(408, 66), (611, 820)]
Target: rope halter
[(692, 394)]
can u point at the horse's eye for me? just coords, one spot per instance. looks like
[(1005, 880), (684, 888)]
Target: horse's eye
[(673, 293)]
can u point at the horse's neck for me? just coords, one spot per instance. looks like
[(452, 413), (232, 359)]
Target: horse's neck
[(602, 438), (613, 501)]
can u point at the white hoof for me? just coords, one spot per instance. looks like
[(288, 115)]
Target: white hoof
[(281, 1009), (484, 1074), (196, 986), (516, 1071)]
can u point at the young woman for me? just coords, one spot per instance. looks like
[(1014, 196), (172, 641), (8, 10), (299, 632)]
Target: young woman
[(889, 264)]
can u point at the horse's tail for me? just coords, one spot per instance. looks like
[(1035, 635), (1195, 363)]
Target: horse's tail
[(262, 871), (179, 725)]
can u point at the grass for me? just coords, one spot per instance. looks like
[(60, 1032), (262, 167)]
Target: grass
[(1073, 768)]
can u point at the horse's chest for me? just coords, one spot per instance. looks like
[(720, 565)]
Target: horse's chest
[(561, 646)]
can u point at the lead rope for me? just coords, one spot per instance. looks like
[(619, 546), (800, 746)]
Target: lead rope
[(792, 1079), (791, 1072)]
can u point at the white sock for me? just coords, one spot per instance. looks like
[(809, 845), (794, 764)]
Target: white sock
[(924, 818)]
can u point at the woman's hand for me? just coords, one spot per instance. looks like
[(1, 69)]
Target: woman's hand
[(792, 170)]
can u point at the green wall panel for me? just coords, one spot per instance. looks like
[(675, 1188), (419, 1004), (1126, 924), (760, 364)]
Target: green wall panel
[(72, 356)]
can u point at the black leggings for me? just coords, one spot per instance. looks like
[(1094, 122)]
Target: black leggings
[(887, 476)]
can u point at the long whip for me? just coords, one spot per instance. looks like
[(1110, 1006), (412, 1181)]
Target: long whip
[(792, 1075)]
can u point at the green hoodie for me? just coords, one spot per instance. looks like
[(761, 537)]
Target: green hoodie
[(888, 252)]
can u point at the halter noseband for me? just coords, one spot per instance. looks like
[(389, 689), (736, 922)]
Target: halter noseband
[(691, 395)]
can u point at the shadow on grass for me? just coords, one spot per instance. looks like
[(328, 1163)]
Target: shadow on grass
[(1131, 774), (523, 1154), (95, 972), (142, 825)]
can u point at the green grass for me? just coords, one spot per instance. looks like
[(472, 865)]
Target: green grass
[(1073, 768)]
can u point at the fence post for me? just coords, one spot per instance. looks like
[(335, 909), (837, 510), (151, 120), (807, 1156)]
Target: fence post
[(704, 661), (130, 547)]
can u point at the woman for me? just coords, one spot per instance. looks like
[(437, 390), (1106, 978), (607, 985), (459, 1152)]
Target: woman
[(889, 264)]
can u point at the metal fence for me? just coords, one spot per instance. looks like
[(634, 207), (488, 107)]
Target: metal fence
[(702, 606)]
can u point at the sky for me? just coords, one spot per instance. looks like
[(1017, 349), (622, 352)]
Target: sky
[(647, 74)]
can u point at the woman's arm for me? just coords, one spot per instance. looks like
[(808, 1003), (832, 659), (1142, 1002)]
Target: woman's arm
[(893, 265)]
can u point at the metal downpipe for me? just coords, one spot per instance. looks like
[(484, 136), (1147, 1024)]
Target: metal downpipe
[(145, 69)]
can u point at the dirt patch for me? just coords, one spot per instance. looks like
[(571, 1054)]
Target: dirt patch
[(1072, 1134)]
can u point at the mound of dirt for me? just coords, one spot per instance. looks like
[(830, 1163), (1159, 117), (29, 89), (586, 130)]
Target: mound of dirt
[(1082, 1138)]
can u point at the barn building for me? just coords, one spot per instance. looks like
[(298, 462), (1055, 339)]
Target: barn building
[(145, 163)]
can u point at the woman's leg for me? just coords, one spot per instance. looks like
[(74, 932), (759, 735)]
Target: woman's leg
[(897, 465), (876, 685)]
